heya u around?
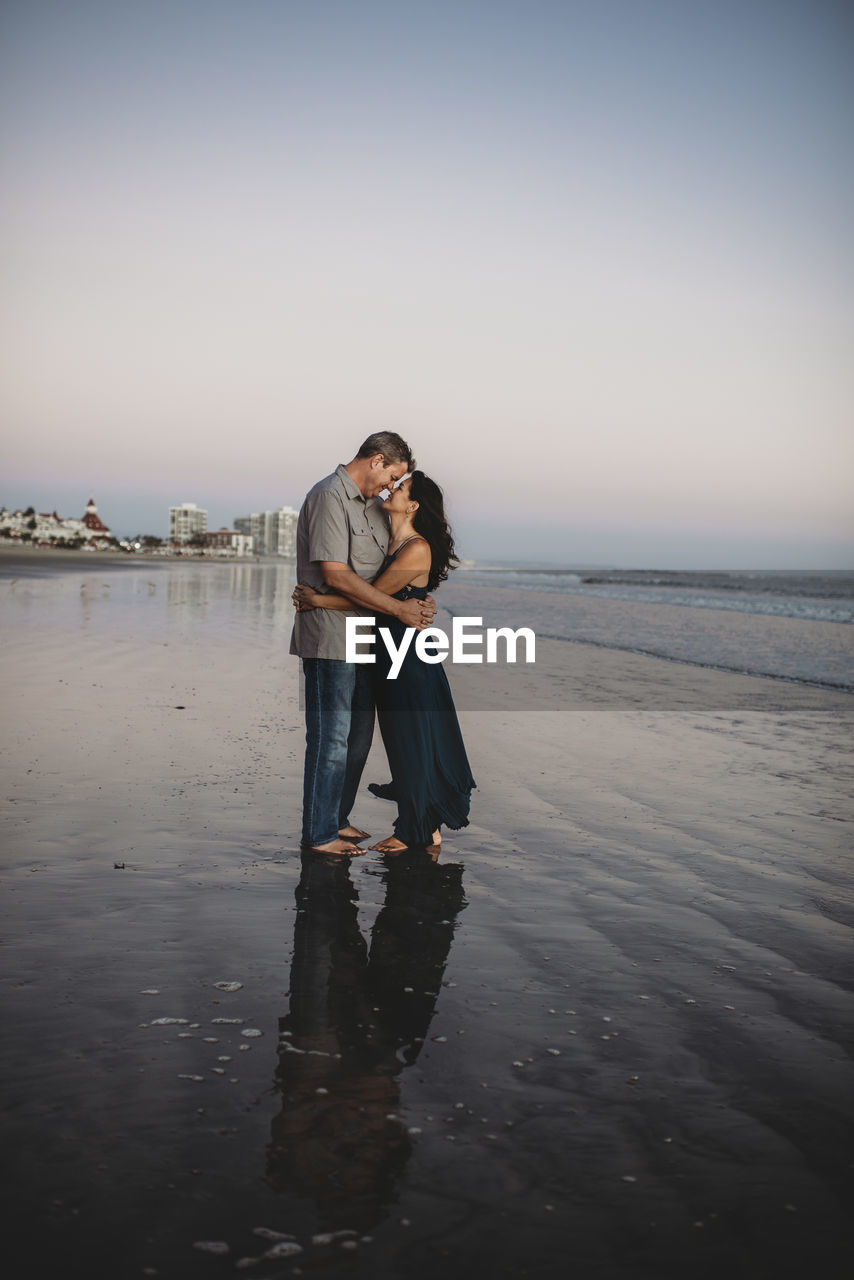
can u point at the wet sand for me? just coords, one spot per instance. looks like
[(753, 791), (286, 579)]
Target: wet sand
[(607, 1034)]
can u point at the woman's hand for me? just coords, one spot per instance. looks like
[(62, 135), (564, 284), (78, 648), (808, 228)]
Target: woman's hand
[(304, 598)]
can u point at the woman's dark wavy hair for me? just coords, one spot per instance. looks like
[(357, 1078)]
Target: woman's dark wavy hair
[(430, 522)]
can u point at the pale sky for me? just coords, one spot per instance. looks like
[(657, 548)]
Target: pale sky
[(592, 259)]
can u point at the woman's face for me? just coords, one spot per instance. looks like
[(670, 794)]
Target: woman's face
[(398, 498)]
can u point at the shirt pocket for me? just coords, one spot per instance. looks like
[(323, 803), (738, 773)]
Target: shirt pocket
[(363, 549)]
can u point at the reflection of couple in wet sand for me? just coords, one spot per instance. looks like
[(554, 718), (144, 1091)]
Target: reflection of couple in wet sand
[(357, 1018), (356, 554)]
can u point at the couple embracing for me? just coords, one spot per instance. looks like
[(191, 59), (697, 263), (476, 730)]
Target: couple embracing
[(360, 554)]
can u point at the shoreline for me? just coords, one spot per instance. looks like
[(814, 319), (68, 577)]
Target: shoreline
[(9, 548), (10, 545), (605, 626), (829, 685)]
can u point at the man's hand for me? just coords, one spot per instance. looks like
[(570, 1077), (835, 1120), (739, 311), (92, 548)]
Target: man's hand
[(417, 613), (412, 613), (303, 598)]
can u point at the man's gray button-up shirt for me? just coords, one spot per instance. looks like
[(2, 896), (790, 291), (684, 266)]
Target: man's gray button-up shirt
[(335, 523)]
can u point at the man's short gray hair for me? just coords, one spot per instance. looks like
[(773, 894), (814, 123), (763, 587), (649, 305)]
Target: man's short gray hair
[(392, 446)]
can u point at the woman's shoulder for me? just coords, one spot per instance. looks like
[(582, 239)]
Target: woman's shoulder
[(413, 549)]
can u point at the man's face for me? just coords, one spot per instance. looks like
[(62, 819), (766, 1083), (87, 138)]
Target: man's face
[(384, 475)]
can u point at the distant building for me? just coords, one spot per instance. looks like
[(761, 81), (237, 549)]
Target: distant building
[(274, 533), (228, 542), (93, 521), (186, 521), (47, 528)]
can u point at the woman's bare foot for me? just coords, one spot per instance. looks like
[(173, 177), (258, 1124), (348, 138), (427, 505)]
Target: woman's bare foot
[(345, 848), (353, 833), (390, 845), (435, 848)]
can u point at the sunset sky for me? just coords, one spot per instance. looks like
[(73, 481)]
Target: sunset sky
[(592, 259)]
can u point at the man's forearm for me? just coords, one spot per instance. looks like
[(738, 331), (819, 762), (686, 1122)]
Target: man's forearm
[(347, 582)]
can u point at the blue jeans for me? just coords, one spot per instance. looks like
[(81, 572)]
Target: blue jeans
[(339, 728)]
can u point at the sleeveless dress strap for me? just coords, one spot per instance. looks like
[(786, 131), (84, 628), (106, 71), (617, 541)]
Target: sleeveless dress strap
[(406, 544)]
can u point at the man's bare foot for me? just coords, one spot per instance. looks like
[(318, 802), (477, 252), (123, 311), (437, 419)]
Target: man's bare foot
[(353, 833), (390, 845), (345, 848)]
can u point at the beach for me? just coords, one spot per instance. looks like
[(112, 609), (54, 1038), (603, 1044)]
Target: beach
[(607, 1034)]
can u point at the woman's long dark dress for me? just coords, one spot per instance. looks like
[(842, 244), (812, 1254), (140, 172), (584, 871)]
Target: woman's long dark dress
[(429, 767)]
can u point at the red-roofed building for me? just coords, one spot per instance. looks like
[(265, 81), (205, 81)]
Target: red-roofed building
[(93, 521)]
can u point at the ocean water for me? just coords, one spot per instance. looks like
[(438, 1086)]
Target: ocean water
[(821, 595), (785, 625)]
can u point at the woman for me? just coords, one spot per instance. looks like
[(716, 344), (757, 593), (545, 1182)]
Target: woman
[(431, 778)]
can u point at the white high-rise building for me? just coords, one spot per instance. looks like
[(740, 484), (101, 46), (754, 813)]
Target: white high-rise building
[(274, 533), (186, 521)]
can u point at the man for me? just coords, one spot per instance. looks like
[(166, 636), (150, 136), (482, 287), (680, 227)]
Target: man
[(342, 538)]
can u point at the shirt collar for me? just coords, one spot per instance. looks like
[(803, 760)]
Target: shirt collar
[(351, 488)]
